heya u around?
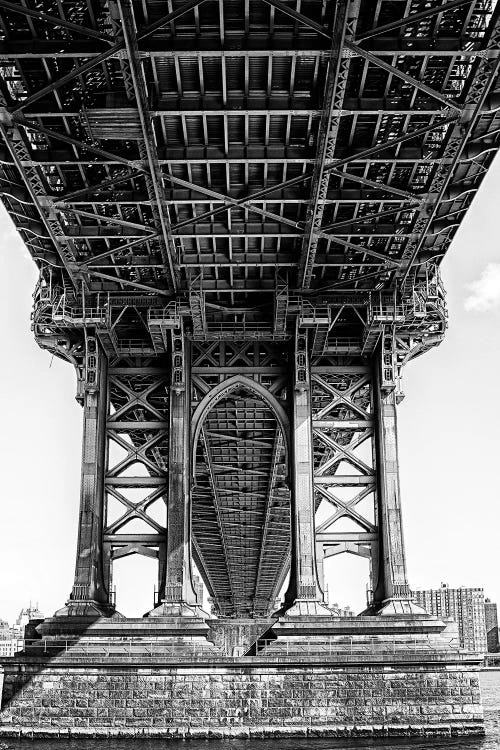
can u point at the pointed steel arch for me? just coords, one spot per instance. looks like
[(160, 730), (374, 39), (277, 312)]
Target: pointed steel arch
[(280, 418), (223, 389)]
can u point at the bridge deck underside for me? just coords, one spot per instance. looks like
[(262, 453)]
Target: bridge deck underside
[(235, 94), (213, 152)]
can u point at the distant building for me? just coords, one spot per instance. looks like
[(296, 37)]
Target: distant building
[(491, 619), (26, 614), (347, 612), (4, 630), (342, 611), (465, 606), (10, 646)]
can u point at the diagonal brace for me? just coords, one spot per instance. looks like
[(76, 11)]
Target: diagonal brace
[(367, 55), (130, 38), (54, 20), (111, 52), (403, 76), (407, 20)]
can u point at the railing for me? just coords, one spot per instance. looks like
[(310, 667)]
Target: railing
[(371, 646), (64, 311), (387, 313), (134, 346), (238, 331), (80, 315), (149, 650), (316, 317), (343, 346), (168, 316), (45, 293), (310, 315)]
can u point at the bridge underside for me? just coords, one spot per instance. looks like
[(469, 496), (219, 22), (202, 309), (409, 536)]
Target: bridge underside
[(238, 210)]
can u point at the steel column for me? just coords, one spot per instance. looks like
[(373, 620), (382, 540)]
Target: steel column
[(179, 597), (304, 595), (391, 589), (89, 595)]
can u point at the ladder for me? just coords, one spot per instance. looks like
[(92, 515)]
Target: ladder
[(280, 310)]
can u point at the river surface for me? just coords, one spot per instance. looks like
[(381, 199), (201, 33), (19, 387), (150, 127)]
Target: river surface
[(490, 685)]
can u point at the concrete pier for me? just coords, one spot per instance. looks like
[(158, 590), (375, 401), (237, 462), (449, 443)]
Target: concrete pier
[(361, 677)]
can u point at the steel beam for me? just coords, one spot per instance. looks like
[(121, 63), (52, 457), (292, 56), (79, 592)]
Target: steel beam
[(392, 47), (138, 423), (370, 57), (115, 49), (54, 20), (392, 70), (160, 206), (486, 71), (306, 176), (116, 251), (327, 137), (411, 19), (96, 189)]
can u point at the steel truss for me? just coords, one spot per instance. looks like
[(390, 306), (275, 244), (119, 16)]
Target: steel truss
[(124, 472), (136, 484), (343, 425), (350, 478), (215, 197)]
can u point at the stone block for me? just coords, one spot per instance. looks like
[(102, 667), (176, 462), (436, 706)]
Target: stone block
[(230, 697)]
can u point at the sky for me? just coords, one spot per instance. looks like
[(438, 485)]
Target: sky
[(448, 441)]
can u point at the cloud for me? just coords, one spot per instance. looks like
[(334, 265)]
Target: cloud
[(485, 291)]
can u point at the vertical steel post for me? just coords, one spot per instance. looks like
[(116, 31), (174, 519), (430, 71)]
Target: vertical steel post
[(304, 595), (178, 597), (392, 593), (89, 596)]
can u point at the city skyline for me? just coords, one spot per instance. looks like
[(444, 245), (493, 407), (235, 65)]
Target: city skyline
[(448, 443)]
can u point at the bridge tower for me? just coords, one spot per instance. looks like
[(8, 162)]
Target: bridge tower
[(322, 405), (238, 212)]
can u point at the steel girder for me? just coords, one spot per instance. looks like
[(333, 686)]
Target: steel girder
[(375, 67)]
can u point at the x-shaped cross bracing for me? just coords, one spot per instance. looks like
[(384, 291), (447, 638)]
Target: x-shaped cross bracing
[(134, 510), (135, 399), (344, 509), (153, 425), (358, 428), (135, 454)]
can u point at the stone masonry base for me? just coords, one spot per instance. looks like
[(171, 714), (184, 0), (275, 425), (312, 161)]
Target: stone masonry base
[(236, 700)]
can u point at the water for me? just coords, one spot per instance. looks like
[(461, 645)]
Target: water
[(490, 684)]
